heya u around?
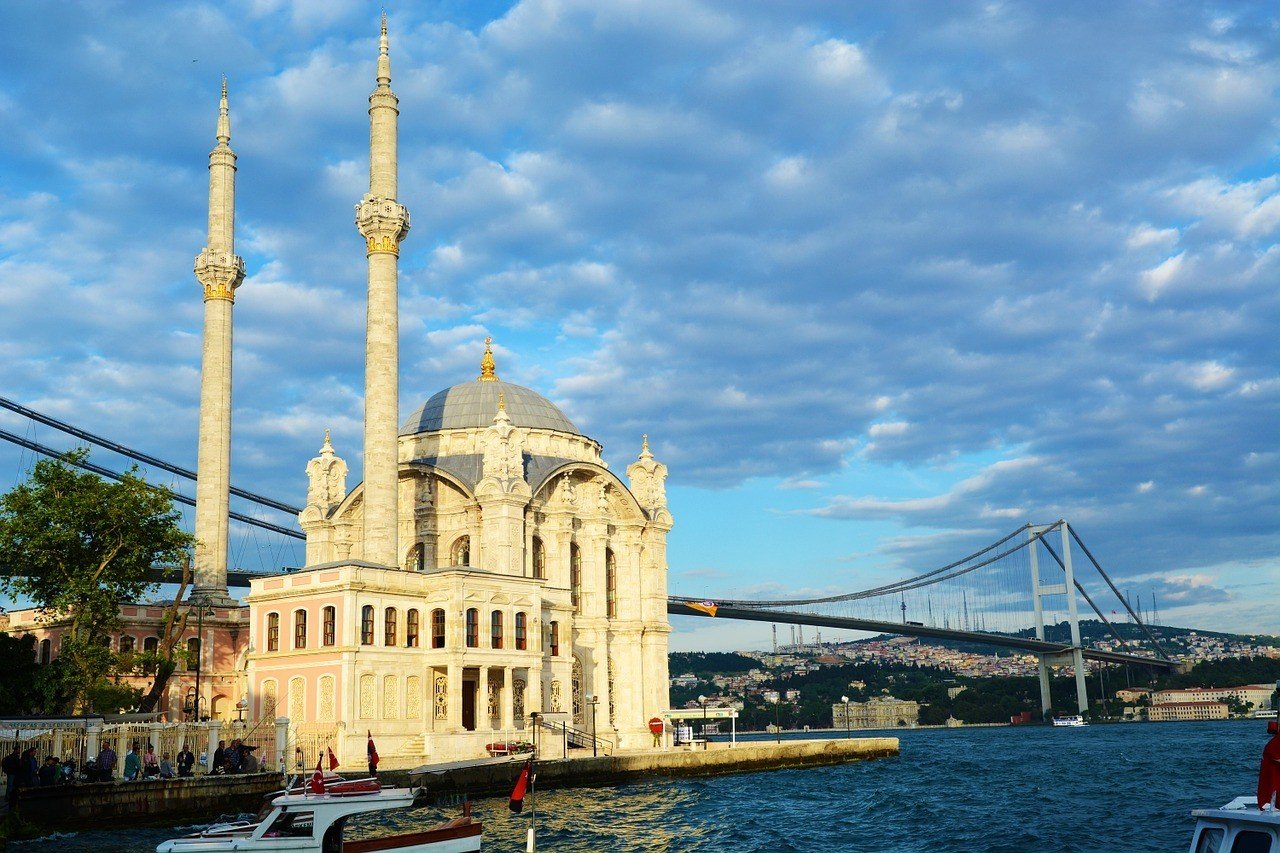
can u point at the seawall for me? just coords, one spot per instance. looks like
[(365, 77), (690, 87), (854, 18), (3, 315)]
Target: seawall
[(496, 779)]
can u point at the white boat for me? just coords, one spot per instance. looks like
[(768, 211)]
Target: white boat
[(297, 820), (1237, 827), (1074, 721)]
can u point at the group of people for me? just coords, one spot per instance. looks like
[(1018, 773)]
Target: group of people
[(237, 758), (23, 769), (140, 765)]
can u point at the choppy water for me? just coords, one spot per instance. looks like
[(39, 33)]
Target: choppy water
[(1102, 788)]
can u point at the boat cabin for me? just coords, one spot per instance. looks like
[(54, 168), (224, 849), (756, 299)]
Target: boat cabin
[(1237, 827)]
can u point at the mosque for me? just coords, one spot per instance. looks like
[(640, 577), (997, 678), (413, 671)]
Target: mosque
[(489, 566)]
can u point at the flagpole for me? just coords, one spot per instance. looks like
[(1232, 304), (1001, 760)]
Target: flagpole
[(532, 843)]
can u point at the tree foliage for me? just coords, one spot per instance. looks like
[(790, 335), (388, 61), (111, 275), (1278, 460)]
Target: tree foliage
[(77, 546)]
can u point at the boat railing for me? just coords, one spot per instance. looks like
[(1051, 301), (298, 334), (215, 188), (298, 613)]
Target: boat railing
[(571, 737)]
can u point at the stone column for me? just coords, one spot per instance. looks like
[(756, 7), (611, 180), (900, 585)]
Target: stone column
[(484, 721), (506, 704), (215, 732), (383, 222), (282, 741), (455, 672), (93, 740), (220, 271)]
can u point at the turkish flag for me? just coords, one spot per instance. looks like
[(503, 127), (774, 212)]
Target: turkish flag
[(333, 760), (522, 785), (373, 753), (316, 785)]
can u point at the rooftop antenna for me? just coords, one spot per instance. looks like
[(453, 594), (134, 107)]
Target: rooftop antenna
[(775, 639)]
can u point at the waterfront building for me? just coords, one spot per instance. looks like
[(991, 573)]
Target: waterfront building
[(1256, 696), (1132, 694), (1194, 710), (878, 712)]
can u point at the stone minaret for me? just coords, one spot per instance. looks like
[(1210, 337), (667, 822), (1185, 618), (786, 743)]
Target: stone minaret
[(220, 270), (383, 222)]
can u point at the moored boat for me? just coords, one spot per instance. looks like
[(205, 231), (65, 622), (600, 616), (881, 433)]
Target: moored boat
[(310, 820), (1074, 721)]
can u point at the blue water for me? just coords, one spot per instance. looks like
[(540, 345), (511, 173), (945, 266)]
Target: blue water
[(1102, 788)]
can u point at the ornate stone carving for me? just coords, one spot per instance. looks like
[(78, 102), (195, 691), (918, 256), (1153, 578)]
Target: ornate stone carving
[(518, 687), (269, 700), (383, 223), (555, 695), (327, 714), (327, 478), (575, 689), (569, 490), (613, 718), (390, 697), (441, 700), (220, 273), (367, 698), (297, 699), (648, 479), (495, 698), (412, 697), (504, 448)]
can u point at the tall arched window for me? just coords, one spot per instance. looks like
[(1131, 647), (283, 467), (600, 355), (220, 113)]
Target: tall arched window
[(151, 645), (539, 559), (610, 583), (522, 631), (299, 629), (46, 650), (411, 628), (554, 639), (575, 576), (193, 653), (415, 558), (366, 625), (389, 627), (461, 553), (329, 626), (473, 628), (437, 628), (495, 629), (127, 644), (273, 632)]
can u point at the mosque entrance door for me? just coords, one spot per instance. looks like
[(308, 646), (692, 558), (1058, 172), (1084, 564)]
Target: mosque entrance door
[(469, 704)]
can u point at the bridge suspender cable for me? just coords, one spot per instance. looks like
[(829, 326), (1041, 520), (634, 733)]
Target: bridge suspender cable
[(1080, 589), (177, 496), (137, 454), (1107, 578)]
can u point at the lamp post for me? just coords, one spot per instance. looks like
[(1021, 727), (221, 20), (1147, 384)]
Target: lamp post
[(240, 706), (777, 721), (702, 700), (200, 605), (845, 700), (593, 701)]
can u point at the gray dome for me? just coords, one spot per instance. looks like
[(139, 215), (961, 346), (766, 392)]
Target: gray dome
[(474, 404)]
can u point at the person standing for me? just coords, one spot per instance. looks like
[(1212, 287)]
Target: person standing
[(150, 764), (220, 758), (49, 772), (12, 766), (132, 764), (106, 763), (30, 776), (186, 760)]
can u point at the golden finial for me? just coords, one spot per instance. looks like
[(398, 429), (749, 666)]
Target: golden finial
[(487, 364)]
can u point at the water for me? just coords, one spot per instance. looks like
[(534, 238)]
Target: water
[(1101, 788)]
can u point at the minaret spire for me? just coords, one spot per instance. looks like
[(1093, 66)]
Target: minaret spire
[(383, 222), (220, 271)]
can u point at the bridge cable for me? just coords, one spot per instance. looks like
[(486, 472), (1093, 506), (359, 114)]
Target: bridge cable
[(1107, 578), (1080, 589), (114, 475), (137, 454)]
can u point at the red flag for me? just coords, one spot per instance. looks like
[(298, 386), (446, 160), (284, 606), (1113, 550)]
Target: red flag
[(522, 785), (373, 753), (316, 785), (333, 760)]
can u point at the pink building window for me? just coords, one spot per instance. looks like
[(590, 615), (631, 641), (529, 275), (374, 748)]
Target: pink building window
[(329, 623), (366, 625), (299, 629), (273, 632)]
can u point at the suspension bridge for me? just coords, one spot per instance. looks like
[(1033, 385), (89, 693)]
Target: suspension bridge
[(1015, 593)]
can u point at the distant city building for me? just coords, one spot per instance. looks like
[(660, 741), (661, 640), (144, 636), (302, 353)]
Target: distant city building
[(1168, 711), (953, 692), (879, 712), (1132, 694), (793, 696), (771, 696), (686, 680), (1257, 696)]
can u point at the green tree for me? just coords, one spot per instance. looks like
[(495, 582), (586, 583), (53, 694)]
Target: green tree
[(77, 546)]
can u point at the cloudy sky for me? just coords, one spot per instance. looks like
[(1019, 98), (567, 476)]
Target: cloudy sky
[(881, 281)]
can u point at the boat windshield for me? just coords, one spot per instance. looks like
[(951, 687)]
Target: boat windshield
[(291, 825)]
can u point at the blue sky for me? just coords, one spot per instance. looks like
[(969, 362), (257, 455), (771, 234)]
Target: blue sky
[(881, 281)]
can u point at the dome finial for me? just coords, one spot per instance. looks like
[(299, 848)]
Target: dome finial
[(644, 447), (487, 364), (327, 447)]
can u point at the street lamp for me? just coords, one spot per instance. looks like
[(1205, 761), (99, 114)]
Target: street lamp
[(593, 701), (240, 707), (845, 700), (200, 605), (777, 721), (702, 700)]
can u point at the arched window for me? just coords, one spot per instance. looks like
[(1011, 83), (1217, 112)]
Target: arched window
[(610, 583), (522, 632), (193, 653), (299, 629), (127, 644), (366, 625), (415, 558), (411, 629), (329, 626), (495, 629), (151, 645), (389, 627), (437, 629), (46, 650), (539, 559), (461, 553), (575, 576), (554, 636), (273, 632), (473, 628)]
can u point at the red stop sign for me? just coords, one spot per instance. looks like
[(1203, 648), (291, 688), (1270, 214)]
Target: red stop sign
[(656, 725)]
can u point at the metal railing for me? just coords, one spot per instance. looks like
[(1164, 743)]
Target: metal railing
[(573, 738)]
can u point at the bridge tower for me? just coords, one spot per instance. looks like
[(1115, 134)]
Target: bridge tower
[(1039, 591)]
